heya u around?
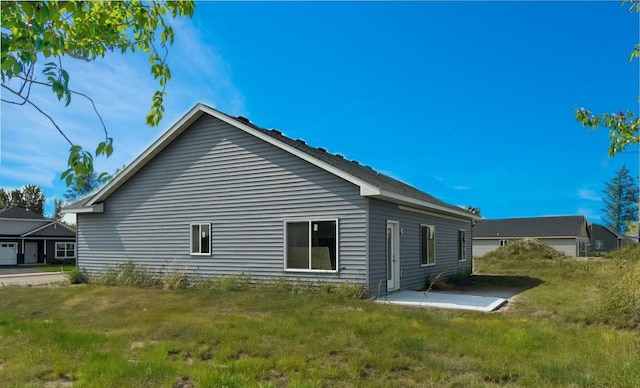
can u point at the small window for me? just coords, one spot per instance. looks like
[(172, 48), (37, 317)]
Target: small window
[(65, 250), (427, 244), (504, 242), (599, 244), (462, 245), (201, 239), (311, 245)]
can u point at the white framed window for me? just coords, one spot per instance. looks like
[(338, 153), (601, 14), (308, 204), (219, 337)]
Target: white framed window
[(462, 245), (201, 239), (599, 244), (427, 245), (311, 245), (503, 242), (65, 250)]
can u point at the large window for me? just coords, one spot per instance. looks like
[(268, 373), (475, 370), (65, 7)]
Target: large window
[(427, 244), (65, 250), (462, 245), (201, 239), (311, 245)]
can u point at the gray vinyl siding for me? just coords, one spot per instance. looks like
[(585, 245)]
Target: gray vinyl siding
[(244, 187), (482, 247), (414, 276)]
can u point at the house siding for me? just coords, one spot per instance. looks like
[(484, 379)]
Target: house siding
[(244, 187), (482, 247), (610, 241), (414, 276)]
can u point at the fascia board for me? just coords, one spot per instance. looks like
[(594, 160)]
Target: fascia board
[(48, 225), (387, 195)]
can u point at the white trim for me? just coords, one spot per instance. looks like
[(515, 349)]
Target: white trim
[(24, 219), (97, 208), (46, 226), (75, 249), (395, 266), (309, 221), (434, 246), (428, 213), (191, 225)]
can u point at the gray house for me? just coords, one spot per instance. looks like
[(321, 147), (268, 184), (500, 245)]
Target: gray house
[(217, 195), (568, 234), (29, 238)]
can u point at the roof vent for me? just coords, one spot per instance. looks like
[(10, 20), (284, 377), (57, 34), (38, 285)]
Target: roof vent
[(340, 156), (276, 131), (301, 141), (355, 162), (321, 149), (243, 119)]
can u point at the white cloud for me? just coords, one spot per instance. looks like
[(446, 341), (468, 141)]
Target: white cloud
[(589, 195)]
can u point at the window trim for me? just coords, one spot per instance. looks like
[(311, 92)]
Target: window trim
[(64, 243), (599, 244), (427, 264), (199, 253), (462, 245), (309, 221), (503, 242)]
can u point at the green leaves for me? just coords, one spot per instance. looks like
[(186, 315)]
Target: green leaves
[(84, 30), (623, 127)]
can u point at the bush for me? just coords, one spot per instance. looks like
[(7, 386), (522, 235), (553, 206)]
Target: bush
[(619, 304), (77, 276), (526, 249)]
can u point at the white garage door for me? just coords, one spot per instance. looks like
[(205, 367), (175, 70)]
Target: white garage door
[(8, 253)]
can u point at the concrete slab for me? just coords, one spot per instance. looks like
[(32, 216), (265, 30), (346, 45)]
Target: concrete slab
[(32, 279), (444, 300)]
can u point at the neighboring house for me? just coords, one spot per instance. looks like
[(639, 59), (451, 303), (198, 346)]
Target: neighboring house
[(568, 234), (29, 238), (217, 195), (604, 239)]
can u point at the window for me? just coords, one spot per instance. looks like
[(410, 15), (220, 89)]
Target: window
[(427, 244), (201, 239), (462, 245), (504, 242), (65, 250), (599, 244), (311, 245)]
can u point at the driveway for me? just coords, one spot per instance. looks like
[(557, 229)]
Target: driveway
[(23, 276)]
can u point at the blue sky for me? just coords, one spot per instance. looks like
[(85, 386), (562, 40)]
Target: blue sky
[(472, 102)]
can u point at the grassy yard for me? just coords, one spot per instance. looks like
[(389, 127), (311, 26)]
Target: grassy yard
[(53, 267), (101, 336)]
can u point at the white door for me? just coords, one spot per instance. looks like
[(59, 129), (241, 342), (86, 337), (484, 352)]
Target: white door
[(30, 252), (393, 255), (8, 253)]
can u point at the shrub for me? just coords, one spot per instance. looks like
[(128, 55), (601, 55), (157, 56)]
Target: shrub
[(619, 303), (77, 276)]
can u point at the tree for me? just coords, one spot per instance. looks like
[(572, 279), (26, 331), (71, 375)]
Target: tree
[(473, 209), (623, 127), (620, 201), (52, 31), (76, 191), (57, 209), (30, 197)]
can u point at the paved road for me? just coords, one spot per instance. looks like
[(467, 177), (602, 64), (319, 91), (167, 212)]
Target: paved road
[(31, 278)]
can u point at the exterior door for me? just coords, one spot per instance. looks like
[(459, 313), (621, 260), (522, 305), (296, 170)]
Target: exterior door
[(30, 252), (8, 253), (393, 255)]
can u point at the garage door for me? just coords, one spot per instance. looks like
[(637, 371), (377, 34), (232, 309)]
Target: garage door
[(8, 253)]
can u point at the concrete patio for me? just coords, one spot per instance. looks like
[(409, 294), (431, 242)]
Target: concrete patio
[(444, 300)]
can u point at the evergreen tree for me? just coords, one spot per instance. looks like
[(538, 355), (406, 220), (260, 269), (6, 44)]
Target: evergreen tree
[(620, 201)]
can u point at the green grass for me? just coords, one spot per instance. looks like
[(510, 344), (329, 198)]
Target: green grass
[(53, 267), (234, 335)]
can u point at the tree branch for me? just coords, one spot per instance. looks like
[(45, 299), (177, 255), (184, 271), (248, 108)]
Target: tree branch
[(41, 111)]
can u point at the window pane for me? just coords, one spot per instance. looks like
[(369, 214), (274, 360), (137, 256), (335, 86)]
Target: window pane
[(297, 245), (60, 253), (432, 244), (195, 232), (205, 241), (323, 245), (424, 233)]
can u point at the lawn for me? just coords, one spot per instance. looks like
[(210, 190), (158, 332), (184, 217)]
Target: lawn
[(53, 267), (105, 336)]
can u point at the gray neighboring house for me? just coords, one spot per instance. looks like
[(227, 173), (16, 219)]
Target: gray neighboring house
[(216, 195), (604, 239), (568, 234), (30, 238)]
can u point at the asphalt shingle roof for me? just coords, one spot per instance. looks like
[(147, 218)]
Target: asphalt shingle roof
[(531, 227)]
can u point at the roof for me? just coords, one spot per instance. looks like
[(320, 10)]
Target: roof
[(372, 183), (18, 222), (538, 227), (17, 212)]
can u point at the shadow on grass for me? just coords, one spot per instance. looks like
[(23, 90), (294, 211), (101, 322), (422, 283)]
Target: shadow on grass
[(498, 286)]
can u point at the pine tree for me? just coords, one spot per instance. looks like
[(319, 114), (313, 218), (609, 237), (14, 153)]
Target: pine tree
[(620, 201)]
